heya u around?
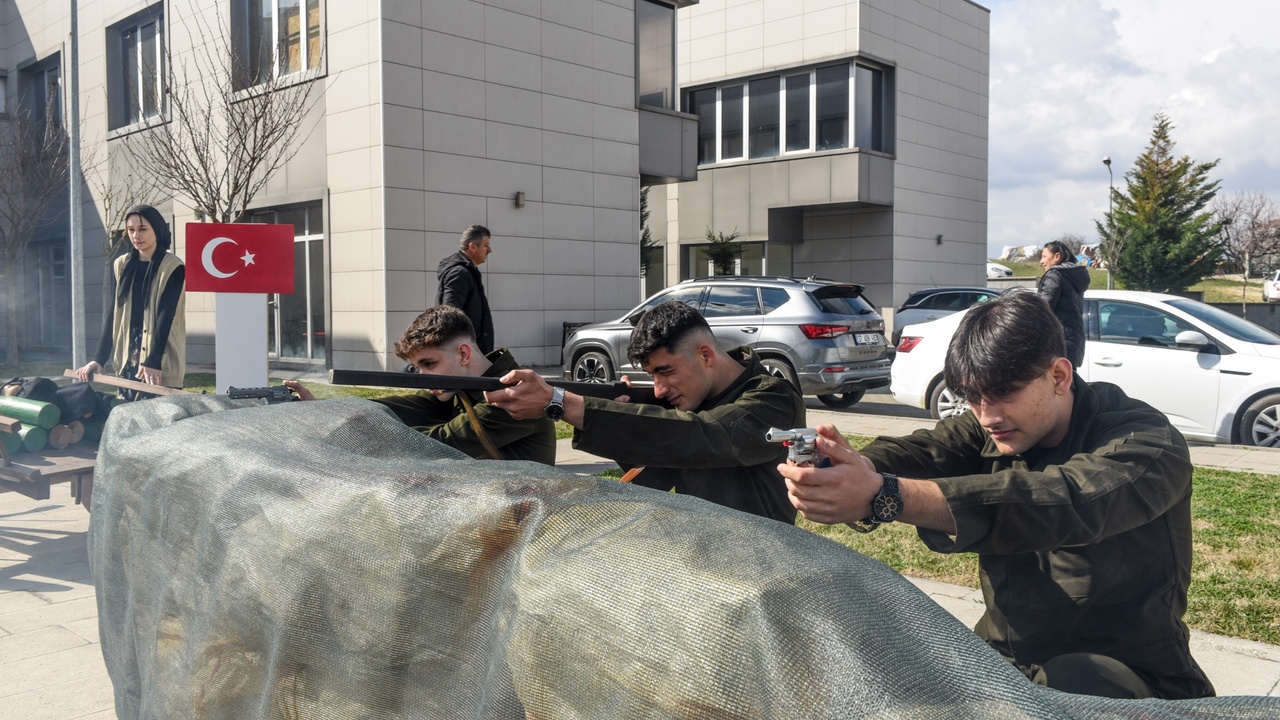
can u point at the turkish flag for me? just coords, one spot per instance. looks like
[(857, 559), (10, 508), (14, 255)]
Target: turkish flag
[(239, 258)]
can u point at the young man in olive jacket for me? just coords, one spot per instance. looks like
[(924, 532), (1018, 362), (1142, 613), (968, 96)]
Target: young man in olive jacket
[(705, 437), (1076, 498), (442, 341)]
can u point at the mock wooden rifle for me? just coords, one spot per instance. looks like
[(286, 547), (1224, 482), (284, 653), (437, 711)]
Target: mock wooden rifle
[(427, 381)]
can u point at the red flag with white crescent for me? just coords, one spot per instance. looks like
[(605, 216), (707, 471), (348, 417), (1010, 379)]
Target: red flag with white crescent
[(239, 258)]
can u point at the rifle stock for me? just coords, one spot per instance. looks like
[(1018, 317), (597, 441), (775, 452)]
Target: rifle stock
[(426, 381)]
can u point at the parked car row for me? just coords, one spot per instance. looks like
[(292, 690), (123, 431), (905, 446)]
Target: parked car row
[(1216, 376), (822, 336)]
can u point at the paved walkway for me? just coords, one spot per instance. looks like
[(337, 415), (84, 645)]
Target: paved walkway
[(51, 663)]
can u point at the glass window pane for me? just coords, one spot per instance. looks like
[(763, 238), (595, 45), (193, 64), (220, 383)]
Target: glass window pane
[(731, 122), (129, 74), (313, 34), (655, 36), (870, 108), (833, 107), (765, 118), (731, 302), (798, 112), (149, 69), (315, 301), (295, 216), (289, 37), (703, 104), (293, 308), (773, 298), (260, 46), (315, 225)]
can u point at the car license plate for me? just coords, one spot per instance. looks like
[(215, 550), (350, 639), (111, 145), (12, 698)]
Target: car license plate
[(866, 339)]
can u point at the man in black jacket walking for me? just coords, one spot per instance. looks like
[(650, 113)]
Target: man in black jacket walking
[(460, 286)]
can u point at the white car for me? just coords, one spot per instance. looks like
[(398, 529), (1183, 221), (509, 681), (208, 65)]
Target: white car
[(1215, 376), (996, 270), (1271, 288)]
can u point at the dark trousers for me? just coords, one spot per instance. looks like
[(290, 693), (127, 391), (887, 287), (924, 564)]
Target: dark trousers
[(1090, 674)]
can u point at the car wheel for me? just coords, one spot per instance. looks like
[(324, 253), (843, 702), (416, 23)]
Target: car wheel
[(780, 368), (593, 366), (842, 400), (944, 404), (1260, 424)]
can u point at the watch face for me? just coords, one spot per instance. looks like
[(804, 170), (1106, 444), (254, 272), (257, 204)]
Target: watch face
[(886, 508), (555, 411)]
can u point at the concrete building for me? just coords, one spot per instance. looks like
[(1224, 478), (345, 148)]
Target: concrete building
[(542, 121), (840, 138)]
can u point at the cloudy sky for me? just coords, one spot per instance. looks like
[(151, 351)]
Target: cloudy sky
[(1072, 82)]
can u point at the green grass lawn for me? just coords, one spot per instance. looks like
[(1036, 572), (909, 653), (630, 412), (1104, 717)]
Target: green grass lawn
[(1215, 289)]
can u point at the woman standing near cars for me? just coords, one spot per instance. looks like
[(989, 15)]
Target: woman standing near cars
[(144, 334), (1062, 286)]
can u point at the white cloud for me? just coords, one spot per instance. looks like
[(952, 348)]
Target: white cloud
[(1072, 82)]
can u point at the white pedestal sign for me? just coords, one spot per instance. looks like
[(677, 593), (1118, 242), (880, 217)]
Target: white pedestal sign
[(240, 334)]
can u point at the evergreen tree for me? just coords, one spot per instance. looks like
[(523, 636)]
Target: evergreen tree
[(1170, 239)]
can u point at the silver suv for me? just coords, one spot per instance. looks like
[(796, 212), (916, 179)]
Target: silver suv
[(821, 336)]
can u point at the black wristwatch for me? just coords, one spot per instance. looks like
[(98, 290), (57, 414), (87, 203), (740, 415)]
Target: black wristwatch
[(555, 408), (886, 506)]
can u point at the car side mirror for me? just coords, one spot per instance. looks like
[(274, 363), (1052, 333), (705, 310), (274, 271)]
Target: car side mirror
[(1192, 339)]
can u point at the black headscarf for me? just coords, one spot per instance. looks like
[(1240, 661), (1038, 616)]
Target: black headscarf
[(130, 273)]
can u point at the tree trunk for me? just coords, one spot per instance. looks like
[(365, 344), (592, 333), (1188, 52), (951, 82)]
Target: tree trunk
[(11, 302)]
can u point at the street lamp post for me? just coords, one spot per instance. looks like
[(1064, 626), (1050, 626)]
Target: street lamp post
[(1111, 230)]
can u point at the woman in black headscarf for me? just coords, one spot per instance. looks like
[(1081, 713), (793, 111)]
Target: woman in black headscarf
[(144, 330), (1062, 286)]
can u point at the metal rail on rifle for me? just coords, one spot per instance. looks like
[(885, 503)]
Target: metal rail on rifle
[(426, 381)]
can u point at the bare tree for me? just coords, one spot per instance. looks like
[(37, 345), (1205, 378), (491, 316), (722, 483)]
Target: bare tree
[(116, 187), (33, 158), (226, 134), (1073, 242), (1250, 229)]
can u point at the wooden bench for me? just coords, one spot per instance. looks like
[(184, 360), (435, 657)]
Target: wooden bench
[(37, 471)]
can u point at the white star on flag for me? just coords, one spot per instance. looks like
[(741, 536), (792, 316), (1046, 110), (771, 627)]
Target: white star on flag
[(247, 258)]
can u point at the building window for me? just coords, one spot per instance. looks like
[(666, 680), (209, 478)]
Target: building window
[(136, 82), (4, 94), (833, 107), (808, 111), (296, 322), (45, 97), (274, 39), (656, 54)]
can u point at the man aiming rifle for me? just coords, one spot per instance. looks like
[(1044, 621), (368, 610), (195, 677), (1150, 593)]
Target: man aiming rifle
[(442, 341), (706, 436)]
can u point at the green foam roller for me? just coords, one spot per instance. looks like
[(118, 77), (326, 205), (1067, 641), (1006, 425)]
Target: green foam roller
[(12, 443), (30, 412), (33, 438)]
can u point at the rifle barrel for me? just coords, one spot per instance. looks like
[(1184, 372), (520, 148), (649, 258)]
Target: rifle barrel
[(427, 381)]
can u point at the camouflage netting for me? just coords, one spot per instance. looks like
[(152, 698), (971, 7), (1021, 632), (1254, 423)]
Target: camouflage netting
[(321, 560)]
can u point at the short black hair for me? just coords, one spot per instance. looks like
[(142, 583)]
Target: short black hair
[(1001, 345), (665, 326), (434, 328)]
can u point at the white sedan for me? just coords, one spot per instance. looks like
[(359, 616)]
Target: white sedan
[(996, 270), (1271, 288), (1215, 376)]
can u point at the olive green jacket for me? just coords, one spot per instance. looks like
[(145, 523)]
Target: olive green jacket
[(1084, 547), (717, 453), (447, 421)]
